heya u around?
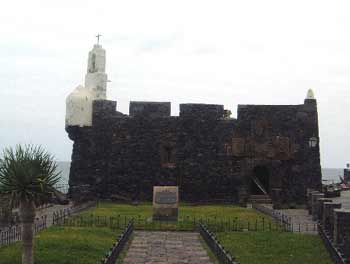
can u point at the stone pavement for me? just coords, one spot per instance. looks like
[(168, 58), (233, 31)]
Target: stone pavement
[(344, 199), (301, 221), (166, 248)]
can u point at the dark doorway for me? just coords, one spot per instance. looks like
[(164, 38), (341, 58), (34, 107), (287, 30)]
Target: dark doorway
[(259, 182)]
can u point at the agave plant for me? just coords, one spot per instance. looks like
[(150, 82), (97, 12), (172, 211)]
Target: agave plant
[(28, 175)]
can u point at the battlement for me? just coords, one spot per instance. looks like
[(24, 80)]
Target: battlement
[(150, 109), (106, 109), (202, 111)]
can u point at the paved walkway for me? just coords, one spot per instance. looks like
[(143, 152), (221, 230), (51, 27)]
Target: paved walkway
[(166, 248), (301, 221), (344, 199)]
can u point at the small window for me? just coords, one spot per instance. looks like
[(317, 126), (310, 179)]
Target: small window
[(313, 142), (93, 63)]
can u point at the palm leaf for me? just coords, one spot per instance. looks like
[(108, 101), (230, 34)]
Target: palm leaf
[(28, 172)]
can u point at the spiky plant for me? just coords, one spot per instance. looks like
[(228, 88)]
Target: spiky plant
[(28, 175)]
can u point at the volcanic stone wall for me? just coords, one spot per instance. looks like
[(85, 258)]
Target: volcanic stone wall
[(278, 138), (208, 156)]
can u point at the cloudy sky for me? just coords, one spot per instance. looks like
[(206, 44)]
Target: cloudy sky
[(225, 52)]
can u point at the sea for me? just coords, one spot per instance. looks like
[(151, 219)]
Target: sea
[(329, 175), (63, 167)]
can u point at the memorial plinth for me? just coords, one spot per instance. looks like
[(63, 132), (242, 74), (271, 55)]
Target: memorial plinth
[(165, 203)]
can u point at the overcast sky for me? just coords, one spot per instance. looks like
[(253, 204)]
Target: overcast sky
[(224, 52)]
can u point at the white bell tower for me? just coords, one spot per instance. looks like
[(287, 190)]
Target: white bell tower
[(96, 78), (79, 102)]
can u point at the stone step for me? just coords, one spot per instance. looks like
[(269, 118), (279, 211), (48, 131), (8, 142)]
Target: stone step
[(261, 199)]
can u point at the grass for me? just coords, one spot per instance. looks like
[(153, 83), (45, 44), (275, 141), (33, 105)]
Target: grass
[(110, 209), (274, 248), (78, 245), (219, 217), (65, 245)]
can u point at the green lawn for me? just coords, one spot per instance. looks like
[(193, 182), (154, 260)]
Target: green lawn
[(219, 217), (275, 248), (65, 245), (220, 212), (185, 210), (78, 245)]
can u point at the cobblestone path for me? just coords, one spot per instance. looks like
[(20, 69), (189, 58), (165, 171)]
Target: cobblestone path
[(166, 248)]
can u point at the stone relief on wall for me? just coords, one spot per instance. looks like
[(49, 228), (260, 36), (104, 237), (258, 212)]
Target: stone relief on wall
[(260, 127), (276, 147), (238, 147)]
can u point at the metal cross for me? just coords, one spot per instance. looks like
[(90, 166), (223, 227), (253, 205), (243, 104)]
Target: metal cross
[(98, 38)]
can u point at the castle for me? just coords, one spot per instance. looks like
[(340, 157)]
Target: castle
[(269, 150)]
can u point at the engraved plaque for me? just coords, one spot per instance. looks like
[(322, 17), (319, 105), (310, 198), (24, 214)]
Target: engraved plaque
[(166, 197)]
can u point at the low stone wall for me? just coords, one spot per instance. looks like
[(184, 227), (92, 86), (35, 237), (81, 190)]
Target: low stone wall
[(334, 225), (328, 215)]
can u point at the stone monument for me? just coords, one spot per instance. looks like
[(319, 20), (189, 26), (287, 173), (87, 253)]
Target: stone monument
[(165, 203)]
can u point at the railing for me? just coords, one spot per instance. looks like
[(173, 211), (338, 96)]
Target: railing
[(112, 255), (186, 223), (219, 251), (59, 216), (13, 218), (286, 221), (337, 257), (14, 233)]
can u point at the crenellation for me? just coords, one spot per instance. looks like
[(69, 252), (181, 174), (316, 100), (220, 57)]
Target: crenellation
[(201, 111), (150, 109)]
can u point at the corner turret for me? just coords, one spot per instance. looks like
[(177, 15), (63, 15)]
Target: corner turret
[(310, 100), (79, 107), (310, 95)]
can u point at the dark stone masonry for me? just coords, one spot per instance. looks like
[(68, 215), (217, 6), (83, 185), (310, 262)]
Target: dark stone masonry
[(268, 150)]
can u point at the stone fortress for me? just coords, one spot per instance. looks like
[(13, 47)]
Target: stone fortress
[(268, 152)]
